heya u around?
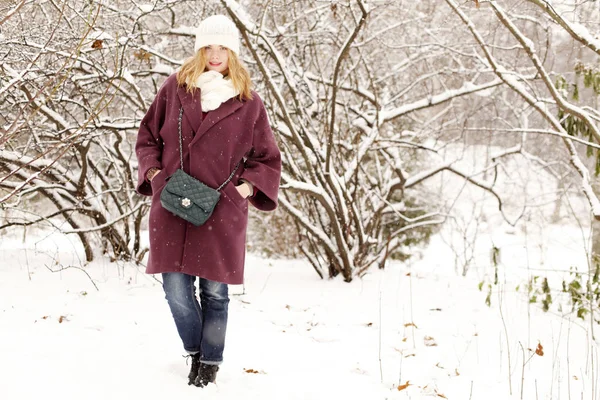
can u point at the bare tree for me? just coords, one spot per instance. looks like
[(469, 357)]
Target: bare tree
[(365, 99), (356, 95), (70, 105)]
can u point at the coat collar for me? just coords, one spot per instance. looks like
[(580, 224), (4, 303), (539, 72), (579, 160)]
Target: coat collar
[(192, 109)]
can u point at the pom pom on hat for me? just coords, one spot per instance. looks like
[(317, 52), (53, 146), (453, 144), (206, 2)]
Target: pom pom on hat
[(220, 30)]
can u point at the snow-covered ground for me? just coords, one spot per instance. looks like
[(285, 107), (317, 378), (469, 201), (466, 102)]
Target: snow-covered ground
[(291, 335)]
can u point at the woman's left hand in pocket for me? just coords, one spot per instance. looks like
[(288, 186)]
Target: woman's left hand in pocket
[(244, 190)]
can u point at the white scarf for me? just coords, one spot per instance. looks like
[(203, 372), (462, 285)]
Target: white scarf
[(214, 90)]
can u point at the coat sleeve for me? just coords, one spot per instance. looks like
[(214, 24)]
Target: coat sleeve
[(148, 146), (263, 165)]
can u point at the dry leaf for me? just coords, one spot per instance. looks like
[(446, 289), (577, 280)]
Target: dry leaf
[(288, 307), (410, 324), (435, 309), (429, 341), (141, 55), (61, 319), (253, 371), (441, 395), (477, 3), (539, 350), (456, 372), (402, 387), (97, 44), (408, 274), (45, 317), (576, 378), (369, 324), (404, 339)]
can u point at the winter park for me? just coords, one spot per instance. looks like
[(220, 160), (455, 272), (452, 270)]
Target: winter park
[(300, 199)]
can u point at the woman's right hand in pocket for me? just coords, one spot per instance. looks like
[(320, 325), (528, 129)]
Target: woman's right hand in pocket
[(155, 172)]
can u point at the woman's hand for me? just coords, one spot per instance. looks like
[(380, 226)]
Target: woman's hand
[(245, 189), (152, 173)]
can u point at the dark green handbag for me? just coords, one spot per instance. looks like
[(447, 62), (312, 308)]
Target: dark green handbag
[(187, 197)]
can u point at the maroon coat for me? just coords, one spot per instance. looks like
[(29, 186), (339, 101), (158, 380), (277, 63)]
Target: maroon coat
[(211, 148)]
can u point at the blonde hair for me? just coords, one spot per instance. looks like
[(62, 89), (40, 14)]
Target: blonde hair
[(196, 65)]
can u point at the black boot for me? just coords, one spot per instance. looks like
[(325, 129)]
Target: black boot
[(195, 368), (207, 374)]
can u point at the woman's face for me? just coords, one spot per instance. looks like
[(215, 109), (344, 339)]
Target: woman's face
[(217, 58)]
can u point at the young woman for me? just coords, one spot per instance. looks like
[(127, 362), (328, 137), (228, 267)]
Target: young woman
[(223, 124)]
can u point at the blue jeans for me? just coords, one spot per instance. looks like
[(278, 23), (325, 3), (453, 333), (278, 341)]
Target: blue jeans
[(201, 326)]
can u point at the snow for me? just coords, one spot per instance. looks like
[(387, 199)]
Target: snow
[(129, 78), (12, 11), (104, 330), (145, 8), (184, 30), (420, 322), (123, 40), (529, 44), (307, 338), (583, 32), (163, 69), (100, 35), (466, 88)]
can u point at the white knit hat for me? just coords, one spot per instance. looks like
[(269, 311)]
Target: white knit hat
[(217, 29)]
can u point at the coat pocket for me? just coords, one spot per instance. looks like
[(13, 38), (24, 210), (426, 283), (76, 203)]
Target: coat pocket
[(158, 182), (236, 198)]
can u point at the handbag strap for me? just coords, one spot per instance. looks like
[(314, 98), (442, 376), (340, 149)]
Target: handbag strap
[(181, 153)]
